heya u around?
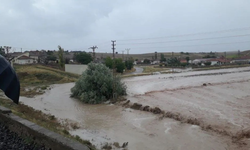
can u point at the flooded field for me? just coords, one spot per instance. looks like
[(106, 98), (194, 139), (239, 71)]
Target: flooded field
[(219, 98)]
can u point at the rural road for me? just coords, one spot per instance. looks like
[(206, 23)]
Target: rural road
[(137, 70)]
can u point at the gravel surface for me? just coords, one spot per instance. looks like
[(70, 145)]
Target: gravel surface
[(11, 141)]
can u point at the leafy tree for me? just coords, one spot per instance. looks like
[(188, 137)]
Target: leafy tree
[(61, 57), (207, 63), (129, 63), (119, 65), (67, 60), (83, 57), (51, 58), (109, 62), (96, 85), (163, 59), (187, 59), (173, 61), (209, 56), (2, 51), (183, 64), (146, 61), (50, 52)]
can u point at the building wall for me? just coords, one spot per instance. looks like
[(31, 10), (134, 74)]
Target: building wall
[(77, 69), (24, 61), (35, 58), (214, 63)]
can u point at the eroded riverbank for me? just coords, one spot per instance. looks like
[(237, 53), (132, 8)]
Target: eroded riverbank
[(112, 123)]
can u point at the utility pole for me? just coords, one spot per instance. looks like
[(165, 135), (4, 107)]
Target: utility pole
[(93, 48), (122, 55), (172, 62), (128, 49), (7, 51), (21, 50), (113, 48)]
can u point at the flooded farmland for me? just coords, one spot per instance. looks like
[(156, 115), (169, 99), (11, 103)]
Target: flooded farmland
[(218, 98)]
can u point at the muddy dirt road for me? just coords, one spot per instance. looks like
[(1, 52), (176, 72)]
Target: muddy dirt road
[(226, 108)]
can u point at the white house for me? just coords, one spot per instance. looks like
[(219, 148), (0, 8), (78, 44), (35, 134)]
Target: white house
[(23, 60)]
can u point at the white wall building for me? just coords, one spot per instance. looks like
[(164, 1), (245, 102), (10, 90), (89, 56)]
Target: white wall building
[(23, 60)]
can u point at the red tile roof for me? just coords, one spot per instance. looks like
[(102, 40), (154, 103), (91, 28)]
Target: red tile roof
[(24, 57)]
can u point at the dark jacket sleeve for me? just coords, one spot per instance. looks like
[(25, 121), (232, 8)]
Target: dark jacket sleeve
[(9, 82)]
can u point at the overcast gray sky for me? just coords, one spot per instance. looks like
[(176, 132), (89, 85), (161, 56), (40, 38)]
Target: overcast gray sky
[(141, 25)]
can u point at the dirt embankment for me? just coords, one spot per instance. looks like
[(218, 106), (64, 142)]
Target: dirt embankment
[(236, 138), (216, 100), (35, 79)]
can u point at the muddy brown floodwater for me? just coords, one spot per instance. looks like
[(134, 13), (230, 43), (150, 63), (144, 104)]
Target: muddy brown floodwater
[(223, 103)]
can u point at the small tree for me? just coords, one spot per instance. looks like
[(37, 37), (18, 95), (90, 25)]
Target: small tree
[(83, 57), (163, 59), (2, 51), (109, 62), (96, 85), (51, 58), (146, 61), (61, 57), (173, 61), (119, 65), (129, 63), (187, 59), (207, 63)]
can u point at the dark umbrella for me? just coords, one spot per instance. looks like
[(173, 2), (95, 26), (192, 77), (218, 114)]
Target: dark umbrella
[(9, 82)]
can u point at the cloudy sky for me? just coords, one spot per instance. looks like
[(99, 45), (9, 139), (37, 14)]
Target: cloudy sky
[(141, 25)]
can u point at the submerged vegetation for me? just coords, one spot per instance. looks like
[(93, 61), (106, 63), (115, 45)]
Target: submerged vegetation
[(96, 85)]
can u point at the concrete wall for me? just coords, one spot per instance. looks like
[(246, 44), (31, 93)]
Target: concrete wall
[(40, 135), (77, 69)]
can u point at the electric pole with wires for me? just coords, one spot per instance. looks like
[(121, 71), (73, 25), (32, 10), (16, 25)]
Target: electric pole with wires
[(93, 48), (128, 49), (113, 48)]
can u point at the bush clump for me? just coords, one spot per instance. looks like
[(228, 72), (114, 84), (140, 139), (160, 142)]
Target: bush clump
[(96, 85)]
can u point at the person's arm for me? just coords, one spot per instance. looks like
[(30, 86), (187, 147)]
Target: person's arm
[(9, 82)]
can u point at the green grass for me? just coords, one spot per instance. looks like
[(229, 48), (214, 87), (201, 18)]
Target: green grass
[(38, 78), (150, 69)]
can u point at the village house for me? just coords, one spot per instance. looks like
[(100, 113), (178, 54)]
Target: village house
[(218, 61), (23, 59), (244, 59)]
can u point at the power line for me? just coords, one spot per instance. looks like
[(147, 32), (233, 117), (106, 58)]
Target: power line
[(195, 45), (188, 40), (183, 35)]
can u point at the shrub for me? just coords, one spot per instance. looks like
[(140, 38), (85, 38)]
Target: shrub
[(207, 63), (183, 64), (96, 85)]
